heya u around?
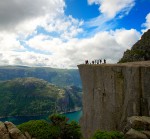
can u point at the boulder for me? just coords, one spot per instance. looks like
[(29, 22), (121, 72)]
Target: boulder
[(139, 122), (14, 132), (133, 134), (27, 135), (147, 133), (3, 131)]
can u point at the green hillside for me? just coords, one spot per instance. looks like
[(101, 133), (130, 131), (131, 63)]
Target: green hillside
[(32, 96), (59, 77), (140, 51)]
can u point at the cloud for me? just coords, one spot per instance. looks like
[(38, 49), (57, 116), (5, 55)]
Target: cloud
[(58, 44), (14, 12), (20, 41), (108, 44), (67, 54), (146, 25), (110, 9), (24, 17), (9, 42), (65, 26)]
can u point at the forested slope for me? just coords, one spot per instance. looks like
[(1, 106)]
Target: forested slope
[(32, 96)]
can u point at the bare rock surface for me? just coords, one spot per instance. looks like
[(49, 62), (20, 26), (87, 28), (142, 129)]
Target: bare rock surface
[(14, 132), (147, 133), (133, 134), (113, 92), (4, 134), (9, 131), (137, 127), (139, 122), (27, 135)]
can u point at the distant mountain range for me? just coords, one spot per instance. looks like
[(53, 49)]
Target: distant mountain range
[(59, 77), (140, 51), (33, 96)]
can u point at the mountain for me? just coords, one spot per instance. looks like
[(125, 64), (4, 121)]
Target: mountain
[(59, 77), (32, 96), (140, 51)]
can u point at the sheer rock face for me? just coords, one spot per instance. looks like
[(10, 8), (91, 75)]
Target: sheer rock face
[(113, 92)]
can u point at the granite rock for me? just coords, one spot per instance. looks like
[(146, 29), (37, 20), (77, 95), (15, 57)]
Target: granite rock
[(113, 92)]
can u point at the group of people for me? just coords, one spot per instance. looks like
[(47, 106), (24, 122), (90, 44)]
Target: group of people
[(96, 61)]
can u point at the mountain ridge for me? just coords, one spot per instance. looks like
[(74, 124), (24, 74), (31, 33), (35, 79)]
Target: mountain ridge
[(140, 51), (59, 77), (32, 96)]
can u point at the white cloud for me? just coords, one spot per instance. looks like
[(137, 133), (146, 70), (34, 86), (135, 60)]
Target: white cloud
[(9, 42), (126, 38), (107, 44), (146, 25), (15, 12), (60, 47), (23, 18), (110, 9), (65, 26), (45, 43), (19, 21)]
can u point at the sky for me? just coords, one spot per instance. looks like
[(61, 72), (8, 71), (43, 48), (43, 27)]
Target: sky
[(65, 33)]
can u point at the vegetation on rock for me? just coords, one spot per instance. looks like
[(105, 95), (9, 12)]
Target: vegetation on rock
[(58, 128), (140, 50), (32, 96)]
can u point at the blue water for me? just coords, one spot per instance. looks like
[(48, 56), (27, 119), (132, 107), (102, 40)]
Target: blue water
[(21, 119)]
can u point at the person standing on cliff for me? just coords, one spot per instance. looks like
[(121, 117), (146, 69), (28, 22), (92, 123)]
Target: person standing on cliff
[(86, 61), (104, 61), (100, 61)]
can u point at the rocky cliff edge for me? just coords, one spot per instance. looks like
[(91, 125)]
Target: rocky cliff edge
[(113, 92)]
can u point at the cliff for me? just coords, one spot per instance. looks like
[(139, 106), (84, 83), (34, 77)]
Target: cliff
[(140, 51), (113, 92)]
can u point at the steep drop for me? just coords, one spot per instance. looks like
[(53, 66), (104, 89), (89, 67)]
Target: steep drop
[(113, 92)]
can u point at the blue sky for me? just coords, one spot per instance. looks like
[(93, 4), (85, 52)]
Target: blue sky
[(81, 10), (64, 33)]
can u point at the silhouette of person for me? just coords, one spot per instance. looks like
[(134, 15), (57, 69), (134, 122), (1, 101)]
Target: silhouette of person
[(92, 62), (100, 61), (104, 61), (86, 62)]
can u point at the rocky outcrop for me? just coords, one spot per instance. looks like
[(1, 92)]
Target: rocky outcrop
[(113, 92), (140, 51), (9, 131), (134, 134), (138, 127), (4, 134)]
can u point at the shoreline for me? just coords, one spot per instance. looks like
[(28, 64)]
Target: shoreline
[(71, 111)]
